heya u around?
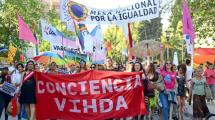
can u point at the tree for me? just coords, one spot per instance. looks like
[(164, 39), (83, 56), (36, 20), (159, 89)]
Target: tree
[(150, 30), (31, 11), (203, 17), (202, 13), (115, 35)]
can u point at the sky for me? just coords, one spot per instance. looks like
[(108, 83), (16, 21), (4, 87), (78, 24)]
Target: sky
[(109, 4)]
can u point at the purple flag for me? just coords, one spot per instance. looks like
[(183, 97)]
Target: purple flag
[(188, 28)]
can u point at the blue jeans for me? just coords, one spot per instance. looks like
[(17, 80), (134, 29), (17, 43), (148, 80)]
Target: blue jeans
[(165, 104), (212, 88)]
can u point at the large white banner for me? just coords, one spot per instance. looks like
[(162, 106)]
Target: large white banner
[(139, 11), (99, 52), (59, 42)]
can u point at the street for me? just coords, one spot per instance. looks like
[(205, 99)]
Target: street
[(187, 115)]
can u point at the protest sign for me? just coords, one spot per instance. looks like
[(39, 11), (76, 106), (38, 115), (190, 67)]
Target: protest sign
[(139, 11), (90, 95), (8, 88)]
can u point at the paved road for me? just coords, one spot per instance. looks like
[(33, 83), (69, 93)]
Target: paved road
[(187, 115)]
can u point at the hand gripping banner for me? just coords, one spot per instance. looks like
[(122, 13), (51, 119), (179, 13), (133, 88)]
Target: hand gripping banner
[(91, 95)]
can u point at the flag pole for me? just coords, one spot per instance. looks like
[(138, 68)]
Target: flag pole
[(35, 35), (62, 40), (76, 31), (130, 57)]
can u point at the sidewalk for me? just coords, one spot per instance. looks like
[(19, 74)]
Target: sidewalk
[(187, 116)]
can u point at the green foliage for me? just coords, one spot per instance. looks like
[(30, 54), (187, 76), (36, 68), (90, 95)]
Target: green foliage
[(44, 46), (31, 11), (140, 31), (202, 13), (116, 36), (148, 30)]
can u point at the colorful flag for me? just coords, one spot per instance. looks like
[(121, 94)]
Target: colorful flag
[(21, 58), (80, 42), (59, 42), (130, 57), (86, 40), (108, 46), (25, 32), (99, 53), (49, 32), (82, 27), (97, 33), (189, 44), (70, 26), (11, 53), (188, 28)]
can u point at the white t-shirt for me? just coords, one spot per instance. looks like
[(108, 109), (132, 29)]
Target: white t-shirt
[(11, 68), (189, 72), (16, 78)]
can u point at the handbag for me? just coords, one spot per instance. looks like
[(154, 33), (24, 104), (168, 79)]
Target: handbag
[(13, 108), (160, 84), (149, 88)]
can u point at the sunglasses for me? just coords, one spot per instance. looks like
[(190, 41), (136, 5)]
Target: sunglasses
[(169, 63)]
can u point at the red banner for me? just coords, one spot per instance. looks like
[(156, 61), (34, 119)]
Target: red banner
[(91, 95)]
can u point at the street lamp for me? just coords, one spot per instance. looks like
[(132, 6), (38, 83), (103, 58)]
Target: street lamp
[(167, 39)]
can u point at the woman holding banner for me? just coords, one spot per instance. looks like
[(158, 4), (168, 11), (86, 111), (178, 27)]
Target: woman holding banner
[(4, 98), (138, 67), (17, 80), (28, 90)]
